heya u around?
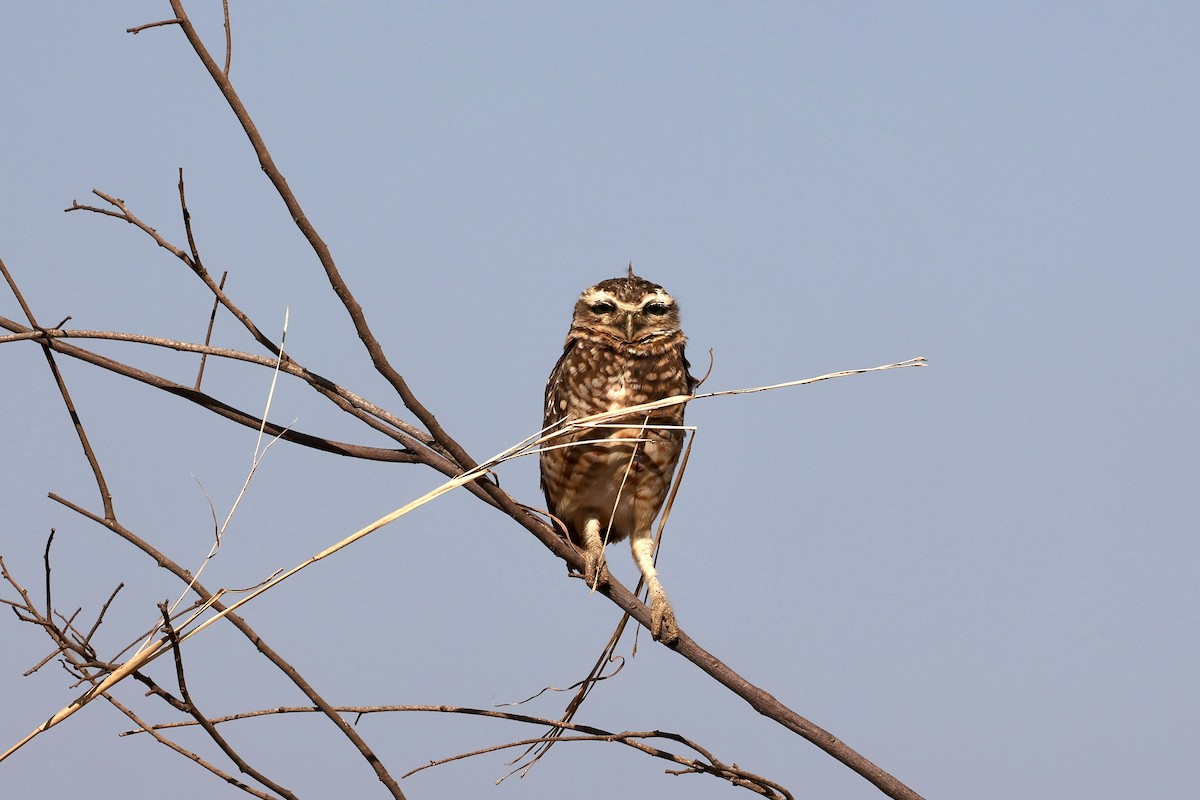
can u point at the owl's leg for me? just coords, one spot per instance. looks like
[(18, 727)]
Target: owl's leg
[(662, 617), (593, 554)]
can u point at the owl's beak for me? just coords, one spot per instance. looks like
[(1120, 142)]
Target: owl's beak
[(629, 327)]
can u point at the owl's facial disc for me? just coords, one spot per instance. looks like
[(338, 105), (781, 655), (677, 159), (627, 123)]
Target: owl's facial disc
[(629, 319)]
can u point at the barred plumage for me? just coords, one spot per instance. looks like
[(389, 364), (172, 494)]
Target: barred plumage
[(624, 347)]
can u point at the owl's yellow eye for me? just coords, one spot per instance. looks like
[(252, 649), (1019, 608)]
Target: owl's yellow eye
[(655, 309), (603, 307)]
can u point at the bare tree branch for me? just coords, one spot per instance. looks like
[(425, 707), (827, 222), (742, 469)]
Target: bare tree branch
[(259, 643), (212, 320), (230, 779), (194, 264), (52, 340), (93, 462), (378, 418), (190, 707), (228, 38), (139, 28), (433, 447), (709, 765), (336, 282), (77, 657)]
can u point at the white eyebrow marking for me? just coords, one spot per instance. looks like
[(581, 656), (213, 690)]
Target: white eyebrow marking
[(658, 297), (593, 296)]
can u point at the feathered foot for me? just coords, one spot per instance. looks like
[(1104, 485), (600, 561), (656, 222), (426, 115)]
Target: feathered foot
[(662, 616), (595, 572), (662, 621)]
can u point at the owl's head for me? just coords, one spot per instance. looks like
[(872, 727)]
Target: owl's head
[(629, 309)]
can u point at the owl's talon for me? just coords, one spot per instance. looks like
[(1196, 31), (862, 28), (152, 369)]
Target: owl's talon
[(595, 571), (662, 624)]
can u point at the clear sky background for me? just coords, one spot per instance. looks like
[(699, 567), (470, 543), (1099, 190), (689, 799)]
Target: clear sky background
[(982, 575)]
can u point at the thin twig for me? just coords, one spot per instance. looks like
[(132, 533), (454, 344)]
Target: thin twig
[(619, 660), (225, 776), (209, 728), (212, 319), (228, 38), (199, 265), (139, 28), (634, 739), (47, 350), (589, 733), (100, 617), (198, 269), (77, 661), (538, 750), (46, 560), (237, 621), (187, 224), (124, 213)]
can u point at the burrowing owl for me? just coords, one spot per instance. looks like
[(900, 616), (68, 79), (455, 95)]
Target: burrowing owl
[(624, 348)]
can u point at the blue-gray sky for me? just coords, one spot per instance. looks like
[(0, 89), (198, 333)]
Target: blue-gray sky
[(983, 575)]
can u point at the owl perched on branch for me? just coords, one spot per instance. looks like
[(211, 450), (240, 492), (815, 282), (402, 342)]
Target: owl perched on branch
[(624, 348)]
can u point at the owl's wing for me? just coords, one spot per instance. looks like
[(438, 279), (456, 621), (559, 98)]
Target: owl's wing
[(692, 380), (554, 388), (551, 414)]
